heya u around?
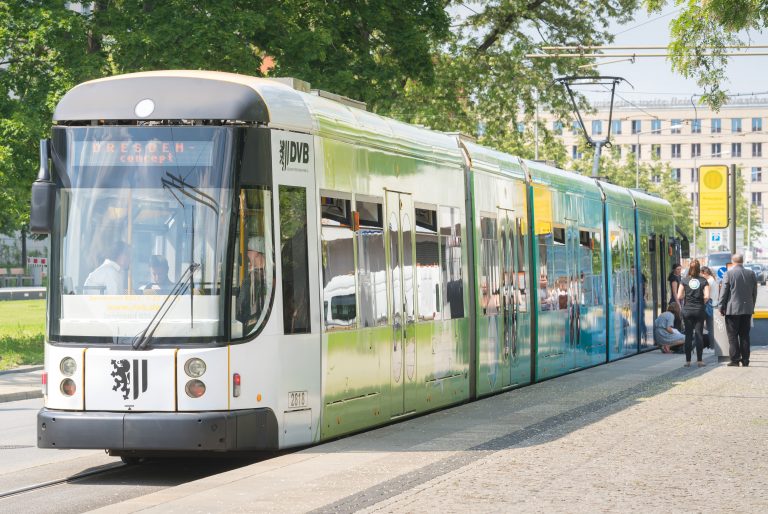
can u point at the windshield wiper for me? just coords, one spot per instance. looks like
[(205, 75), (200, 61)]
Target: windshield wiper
[(142, 339)]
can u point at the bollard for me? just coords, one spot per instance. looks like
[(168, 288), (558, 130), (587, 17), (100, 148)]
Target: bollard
[(721, 338)]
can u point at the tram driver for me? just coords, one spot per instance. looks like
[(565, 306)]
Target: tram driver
[(109, 277)]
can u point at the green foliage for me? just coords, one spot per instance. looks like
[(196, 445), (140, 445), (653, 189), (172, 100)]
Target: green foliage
[(715, 24), (22, 331), (483, 84)]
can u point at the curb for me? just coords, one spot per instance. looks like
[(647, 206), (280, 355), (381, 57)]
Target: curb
[(21, 370), (21, 395)]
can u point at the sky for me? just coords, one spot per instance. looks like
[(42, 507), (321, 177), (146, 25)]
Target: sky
[(653, 78)]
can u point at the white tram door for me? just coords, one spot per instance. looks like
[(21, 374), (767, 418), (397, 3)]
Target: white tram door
[(401, 276)]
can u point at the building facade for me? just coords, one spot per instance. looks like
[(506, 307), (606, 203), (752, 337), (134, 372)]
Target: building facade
[(685, 137)]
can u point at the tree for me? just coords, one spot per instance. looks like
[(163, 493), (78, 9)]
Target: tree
[(484, 85), (366, 50), (701, 31)]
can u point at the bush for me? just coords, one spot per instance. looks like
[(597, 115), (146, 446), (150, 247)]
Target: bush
[(21, 349)]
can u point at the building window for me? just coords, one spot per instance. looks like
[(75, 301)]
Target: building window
[(695, 150), (676, 126), (757, 124), (656, 126), (757, 174), (736, 125), (735, 149), (636, 151), (757, 149), (676, 174), (696, 127), (695, 199), (557, 127), (616, 127), (757, 198), (676, 150), (521, 127), (575, 127), (636, 126), (694, 174), (717, 126), (716, 150), (656, 179), (597, 127), (575, 153), (656, 151)]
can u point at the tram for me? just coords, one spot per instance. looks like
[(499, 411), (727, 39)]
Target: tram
[(241, 263)]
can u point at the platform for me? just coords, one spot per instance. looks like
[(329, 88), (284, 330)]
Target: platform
[(641, 434)]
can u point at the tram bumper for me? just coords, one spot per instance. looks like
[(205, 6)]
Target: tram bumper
[(254, 429)]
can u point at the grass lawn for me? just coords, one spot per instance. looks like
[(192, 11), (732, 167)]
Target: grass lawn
[(22, 331)]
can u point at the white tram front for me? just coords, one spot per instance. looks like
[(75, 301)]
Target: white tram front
[(192, 301)]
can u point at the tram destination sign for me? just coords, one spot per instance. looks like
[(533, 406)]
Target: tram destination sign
[(713, 196), (143, 153)]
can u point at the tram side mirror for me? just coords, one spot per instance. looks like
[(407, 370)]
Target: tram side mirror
[(43, 204), (685, 249)]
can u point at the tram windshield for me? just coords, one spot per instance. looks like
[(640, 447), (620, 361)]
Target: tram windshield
[(143, 215)]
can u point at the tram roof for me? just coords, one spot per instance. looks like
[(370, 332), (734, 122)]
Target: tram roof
[(208, 95), (616, 194), (545, 174), (649, 202), (488, 159)]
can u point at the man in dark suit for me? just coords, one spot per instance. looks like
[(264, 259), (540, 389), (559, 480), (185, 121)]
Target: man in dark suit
[(738, 294)]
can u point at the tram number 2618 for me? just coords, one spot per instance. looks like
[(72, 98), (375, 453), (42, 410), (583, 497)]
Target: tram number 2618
[(297, 399)]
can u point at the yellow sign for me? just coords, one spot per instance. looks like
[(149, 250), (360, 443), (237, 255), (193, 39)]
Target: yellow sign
[(713, 196), (542, 209)]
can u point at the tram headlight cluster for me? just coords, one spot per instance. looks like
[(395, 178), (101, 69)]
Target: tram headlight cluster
[(68, 366), (68, 387), (195, 388), (195, 368)]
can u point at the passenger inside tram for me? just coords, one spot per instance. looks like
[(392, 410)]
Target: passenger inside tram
[(159, 282)]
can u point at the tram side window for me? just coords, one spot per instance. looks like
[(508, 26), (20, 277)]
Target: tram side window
[(253, 275), (371, 264), (546, 287), (591, 266), (522, 267), (450, 252), (339, 289), (293, 253), (489, 266), (427, 264)]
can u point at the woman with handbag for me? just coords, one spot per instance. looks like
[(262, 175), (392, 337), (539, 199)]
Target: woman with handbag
[(695, 291)]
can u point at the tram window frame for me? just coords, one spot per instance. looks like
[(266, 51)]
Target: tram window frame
[(558, 235), (545, 299), (490, 265), (246, 214), (336, 217), (294, 261), (451, 270), (368, 223), (427, 235)]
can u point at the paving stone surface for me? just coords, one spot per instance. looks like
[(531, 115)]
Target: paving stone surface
[(643, 434)]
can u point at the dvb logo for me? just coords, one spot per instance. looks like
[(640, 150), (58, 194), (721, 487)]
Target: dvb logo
[(293, 152)]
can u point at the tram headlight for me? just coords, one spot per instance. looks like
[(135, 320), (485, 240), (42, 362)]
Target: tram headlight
[(194, 367), (68, 387), (68, 366), (195, 388)]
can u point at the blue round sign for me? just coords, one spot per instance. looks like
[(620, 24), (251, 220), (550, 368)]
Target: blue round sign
[(721, 272)]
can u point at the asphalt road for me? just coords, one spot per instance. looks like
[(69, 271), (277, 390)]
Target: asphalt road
[(22, 464)]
